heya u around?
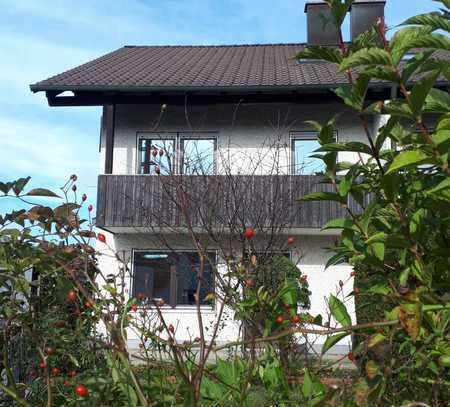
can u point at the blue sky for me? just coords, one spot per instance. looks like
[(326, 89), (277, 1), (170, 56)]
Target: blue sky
[(42, 38)]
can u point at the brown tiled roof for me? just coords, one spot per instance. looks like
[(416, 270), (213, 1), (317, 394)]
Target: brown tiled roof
[(192, 67), (206, 68)]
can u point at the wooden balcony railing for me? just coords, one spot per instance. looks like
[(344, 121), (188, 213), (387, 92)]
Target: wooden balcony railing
[(137, 201)]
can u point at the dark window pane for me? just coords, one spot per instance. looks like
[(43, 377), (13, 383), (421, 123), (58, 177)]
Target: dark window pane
[(187, 266), (156, 273), (152, 275), (198, 156)]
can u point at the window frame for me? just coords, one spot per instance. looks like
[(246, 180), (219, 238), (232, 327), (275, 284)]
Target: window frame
[(171, 304), (177, 137), (195, 137), (295, 135), (148, 153)]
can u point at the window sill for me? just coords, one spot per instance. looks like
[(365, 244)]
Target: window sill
[(187, 309)]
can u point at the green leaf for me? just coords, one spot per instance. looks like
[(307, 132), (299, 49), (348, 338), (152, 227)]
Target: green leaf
[(65, 210), (407, 159), (437, 101), (5, 187), (326, 132), (446, 3), (378, 250), (312, 387), (344, 187), (339, 10), (376, 238), (322, 196), (381, 72), (420, 91), (381, 289), (329, 54), (74, 360), (434, 41), (416, 220), (442, 140), (227, 372), (19, 185), (42, 192), (413, 64), (339, 311), (402, 40), (366, 217), (288, 293), (211, 389), (398, 108), (332, 340), (441, 191), (336, 259), (354, 95), (442, 185), (434, 20), (354, 146), (376, 339), (341, 223), (366, 56)]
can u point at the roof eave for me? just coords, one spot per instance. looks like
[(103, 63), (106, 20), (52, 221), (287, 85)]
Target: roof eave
[(197, 89)]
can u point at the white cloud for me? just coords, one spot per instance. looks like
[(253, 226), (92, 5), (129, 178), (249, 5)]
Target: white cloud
[(46, 151), (30, 59)]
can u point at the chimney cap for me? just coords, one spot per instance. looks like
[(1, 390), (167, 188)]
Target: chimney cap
[(322, 3), (314, 3), (358, 2)]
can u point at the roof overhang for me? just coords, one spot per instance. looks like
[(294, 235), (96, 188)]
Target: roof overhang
[(102, 95)]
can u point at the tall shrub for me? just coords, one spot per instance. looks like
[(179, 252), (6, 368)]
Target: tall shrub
[(400, 237)]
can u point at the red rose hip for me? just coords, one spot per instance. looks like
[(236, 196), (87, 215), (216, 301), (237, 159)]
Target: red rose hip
[(249, 283), (249, 233), (81, 390), (71, 296), (295, 319)]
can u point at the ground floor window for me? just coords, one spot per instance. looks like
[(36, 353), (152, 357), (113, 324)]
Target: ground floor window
[(172, 276)]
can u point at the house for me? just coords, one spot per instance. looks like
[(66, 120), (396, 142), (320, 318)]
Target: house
[(208, 141)]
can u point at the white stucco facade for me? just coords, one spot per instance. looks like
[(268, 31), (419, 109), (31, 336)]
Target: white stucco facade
[(244, 134)]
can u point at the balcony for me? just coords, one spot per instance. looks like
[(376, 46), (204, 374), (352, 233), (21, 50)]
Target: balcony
[(139, 202)]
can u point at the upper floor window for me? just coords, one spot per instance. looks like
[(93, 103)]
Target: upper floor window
[(304, 143), (172, 276), (178, 153), (198, 156), (303, 146), (157, 154)]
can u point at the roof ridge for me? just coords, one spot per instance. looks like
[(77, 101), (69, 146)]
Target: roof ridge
[(280, 44)]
